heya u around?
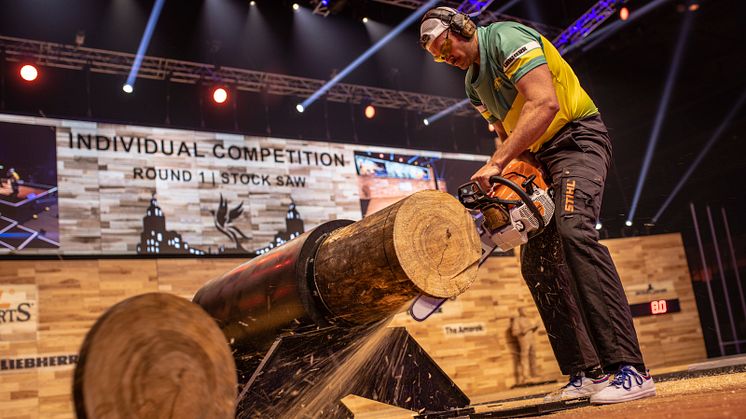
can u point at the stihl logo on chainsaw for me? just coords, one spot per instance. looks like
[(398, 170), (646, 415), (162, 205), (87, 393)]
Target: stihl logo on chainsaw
[(570, 196)]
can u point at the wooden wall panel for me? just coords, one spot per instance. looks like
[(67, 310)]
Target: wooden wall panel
[(470, 338)]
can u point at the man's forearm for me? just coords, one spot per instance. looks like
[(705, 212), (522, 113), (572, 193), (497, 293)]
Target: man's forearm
[(533, 121)]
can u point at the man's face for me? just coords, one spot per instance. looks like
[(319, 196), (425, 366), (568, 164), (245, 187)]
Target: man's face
[(451, 49)]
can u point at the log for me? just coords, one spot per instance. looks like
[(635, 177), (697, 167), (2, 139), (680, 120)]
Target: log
[(425, 243), (155, 356)]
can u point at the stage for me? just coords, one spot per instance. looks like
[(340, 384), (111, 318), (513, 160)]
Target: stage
[(703, 390)]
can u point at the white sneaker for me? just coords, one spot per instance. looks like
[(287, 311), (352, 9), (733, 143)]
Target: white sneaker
[(628, 384), (579, 386)]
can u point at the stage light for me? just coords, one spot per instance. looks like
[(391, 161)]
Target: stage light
[(299, 107), (694, 7), (144, 42), (446, 111), (372, 50), (252, 3), (623, 13), (127, 88), (365, 20), (219, 95), (29, 72), (370, 111), (426, 122), (701, 154), (296, 6), (660, 116), (599, 226), (628, 223)]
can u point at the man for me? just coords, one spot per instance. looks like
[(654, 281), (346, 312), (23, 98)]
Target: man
[(14, 178), (519, 82), (522, 328)]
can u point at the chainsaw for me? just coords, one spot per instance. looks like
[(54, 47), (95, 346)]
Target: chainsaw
[(507, 216)]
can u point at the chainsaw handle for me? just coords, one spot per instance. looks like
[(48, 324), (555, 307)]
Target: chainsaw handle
[(524, 197)]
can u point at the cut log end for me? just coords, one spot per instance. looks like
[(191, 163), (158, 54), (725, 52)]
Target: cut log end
[(155, 356), (437, 244)]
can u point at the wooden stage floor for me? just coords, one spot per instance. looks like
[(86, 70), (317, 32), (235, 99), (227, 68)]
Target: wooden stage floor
[(719, 391)]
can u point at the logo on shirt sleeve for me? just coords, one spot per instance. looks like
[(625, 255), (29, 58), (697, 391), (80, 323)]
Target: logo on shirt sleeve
[(518, 53)]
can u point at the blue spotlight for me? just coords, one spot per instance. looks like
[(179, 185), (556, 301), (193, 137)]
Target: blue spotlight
[(429, 120), (144, 42), (662, 108), (367, 54), (718, 132)]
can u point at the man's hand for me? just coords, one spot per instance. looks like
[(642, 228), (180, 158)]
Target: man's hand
[(483, 175)]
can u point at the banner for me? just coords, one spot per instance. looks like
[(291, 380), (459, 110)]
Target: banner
[(92, 188)]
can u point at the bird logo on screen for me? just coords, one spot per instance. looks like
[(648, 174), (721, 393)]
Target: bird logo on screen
[(224, 222)]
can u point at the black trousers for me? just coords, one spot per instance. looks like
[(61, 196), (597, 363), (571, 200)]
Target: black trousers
[(571, 276)]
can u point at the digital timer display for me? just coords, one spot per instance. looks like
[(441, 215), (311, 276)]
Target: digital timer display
[(655, 307)]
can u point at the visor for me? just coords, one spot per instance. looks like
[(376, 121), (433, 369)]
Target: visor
[(431, 28)]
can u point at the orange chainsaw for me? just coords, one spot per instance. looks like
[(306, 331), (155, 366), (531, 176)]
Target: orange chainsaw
[(516, 209)]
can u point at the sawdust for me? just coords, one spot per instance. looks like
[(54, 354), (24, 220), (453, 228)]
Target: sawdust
[(717, 396), (333, 383)]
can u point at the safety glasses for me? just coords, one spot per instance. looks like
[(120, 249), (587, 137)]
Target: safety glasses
[(445, 48)]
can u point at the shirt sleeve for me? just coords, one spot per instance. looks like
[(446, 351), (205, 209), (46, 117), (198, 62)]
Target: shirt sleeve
[(518, 50), (479, 106)]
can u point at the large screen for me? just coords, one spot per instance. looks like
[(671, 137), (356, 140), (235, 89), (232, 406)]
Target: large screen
[(76, 187)]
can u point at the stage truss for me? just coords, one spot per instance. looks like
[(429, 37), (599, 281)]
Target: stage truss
[(71, 57)]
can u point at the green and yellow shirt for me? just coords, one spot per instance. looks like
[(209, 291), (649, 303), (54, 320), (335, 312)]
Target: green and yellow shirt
[(507, 51)]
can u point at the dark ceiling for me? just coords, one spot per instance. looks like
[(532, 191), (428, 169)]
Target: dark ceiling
[(625, 74)]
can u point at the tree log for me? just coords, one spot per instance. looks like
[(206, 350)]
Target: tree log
[(425, 243), (155, 356)]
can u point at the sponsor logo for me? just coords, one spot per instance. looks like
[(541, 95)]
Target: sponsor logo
[(570, 196), (37, 361), (497, 83), (464, 329), (18, 312), (12, 310), (518, 53)]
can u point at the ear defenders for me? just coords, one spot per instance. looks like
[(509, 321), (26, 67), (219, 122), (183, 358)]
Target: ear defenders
[(458, 22)]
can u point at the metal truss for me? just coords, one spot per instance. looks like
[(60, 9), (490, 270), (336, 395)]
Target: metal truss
[(321, 8), (586, 23), (51, 54), (487, 16)]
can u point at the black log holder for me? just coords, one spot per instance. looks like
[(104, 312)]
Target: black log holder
[(303, 369)]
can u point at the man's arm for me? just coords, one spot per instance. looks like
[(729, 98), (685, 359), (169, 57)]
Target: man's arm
[(537, 113), (501, 134)]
